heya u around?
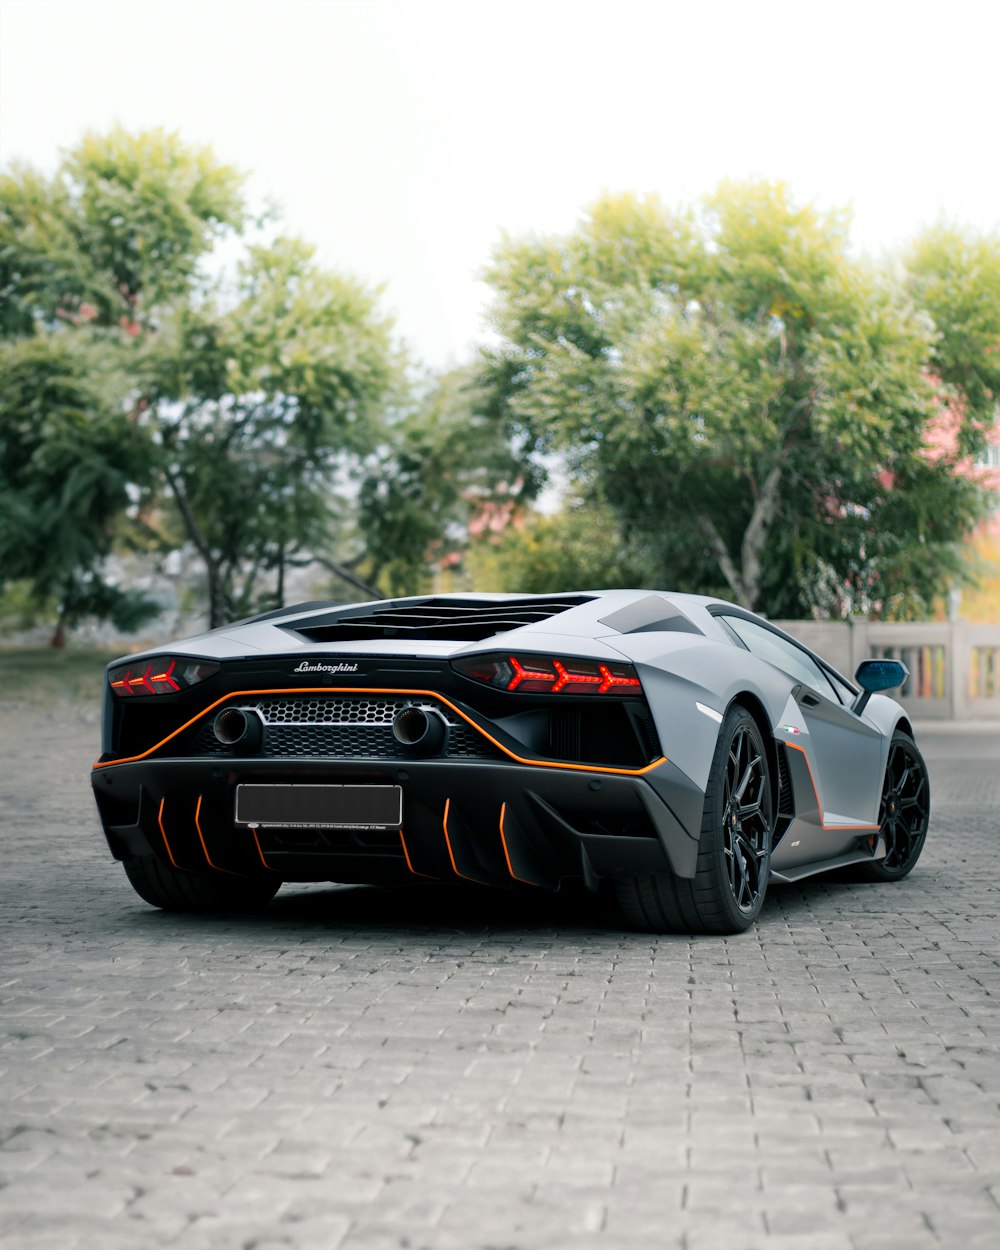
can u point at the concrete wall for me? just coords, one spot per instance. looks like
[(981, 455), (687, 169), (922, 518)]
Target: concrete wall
[(954, 666)]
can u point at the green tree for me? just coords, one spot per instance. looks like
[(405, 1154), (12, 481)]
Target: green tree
[(443, 462), (955, 276), (90, 261), (749, 402), (233, 414), (263, 410), (578, 548), (118, 232), (68, 456)]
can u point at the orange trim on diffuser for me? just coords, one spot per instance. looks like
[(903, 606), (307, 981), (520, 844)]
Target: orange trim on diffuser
[(163, 833), (261, 853), (204, 846), (506, 853), (409, 862), (819, 805), (451, 853), (429, 694)]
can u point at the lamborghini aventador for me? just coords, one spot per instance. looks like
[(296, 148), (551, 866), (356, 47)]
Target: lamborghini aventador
[(673, 751)]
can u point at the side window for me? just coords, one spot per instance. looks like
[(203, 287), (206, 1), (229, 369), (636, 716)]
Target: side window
[(847, 695), (784, 655)]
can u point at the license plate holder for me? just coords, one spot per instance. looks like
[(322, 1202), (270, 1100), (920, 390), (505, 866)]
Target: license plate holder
[(306, 806)]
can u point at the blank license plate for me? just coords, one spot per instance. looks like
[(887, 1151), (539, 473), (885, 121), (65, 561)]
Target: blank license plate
[(320, 807)]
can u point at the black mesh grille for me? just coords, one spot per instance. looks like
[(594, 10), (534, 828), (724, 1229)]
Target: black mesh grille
[(357, 726), (342, 727), (330, 740), (458, 620), (329, 709)]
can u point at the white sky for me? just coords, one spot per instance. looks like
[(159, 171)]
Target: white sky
[(403, 136)]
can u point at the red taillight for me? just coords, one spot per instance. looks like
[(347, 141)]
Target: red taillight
[(535, 674), (163, 675), (533, 678)]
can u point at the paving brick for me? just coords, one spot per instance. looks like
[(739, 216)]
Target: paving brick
[(354, 1071)]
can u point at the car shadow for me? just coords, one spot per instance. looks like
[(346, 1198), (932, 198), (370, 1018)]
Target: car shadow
[(422, 911), (409, 911)]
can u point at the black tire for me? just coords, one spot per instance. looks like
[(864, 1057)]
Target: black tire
[(174, 890), (734, 851), (904, 812)]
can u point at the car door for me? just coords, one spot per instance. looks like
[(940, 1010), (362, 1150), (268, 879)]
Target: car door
[(843, 751)]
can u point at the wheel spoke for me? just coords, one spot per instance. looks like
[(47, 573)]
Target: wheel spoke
[(746, 818), (744, 887), (751, 809), (903, 808), (745, 779)]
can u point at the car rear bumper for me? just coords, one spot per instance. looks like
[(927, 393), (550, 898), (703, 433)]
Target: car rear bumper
[(489, 822)]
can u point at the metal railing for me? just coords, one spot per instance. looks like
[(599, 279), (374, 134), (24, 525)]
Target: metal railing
[(954, 666)]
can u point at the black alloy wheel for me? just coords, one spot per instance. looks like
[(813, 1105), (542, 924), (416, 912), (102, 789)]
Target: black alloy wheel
[(734, 850), (746, 819), (904, 811)]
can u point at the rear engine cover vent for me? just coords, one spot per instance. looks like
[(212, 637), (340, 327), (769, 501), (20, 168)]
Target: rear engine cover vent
[(452, 620)]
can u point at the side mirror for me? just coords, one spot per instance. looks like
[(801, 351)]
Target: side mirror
[(875, 675)]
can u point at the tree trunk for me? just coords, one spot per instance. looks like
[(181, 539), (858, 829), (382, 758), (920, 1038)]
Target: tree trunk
[(279, 590), (744, 581), (757, 532), (347, 576), (215, 613), (213, 570)]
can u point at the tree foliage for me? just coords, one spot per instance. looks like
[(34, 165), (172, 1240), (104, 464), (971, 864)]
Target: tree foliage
[(116, 233), (262, 409), (68, 456), (955, 276), (240, 415), (444, 461), (749, 402), (90, 261), (578, 547)]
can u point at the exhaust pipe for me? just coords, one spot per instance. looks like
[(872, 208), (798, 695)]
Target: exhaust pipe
[(421, 730), (239, 727)]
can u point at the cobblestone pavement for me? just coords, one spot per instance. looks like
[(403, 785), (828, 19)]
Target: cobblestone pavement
[(455, 1071)]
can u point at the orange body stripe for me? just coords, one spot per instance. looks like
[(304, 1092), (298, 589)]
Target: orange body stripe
[(430, 694), (506, 853), (819, 805)]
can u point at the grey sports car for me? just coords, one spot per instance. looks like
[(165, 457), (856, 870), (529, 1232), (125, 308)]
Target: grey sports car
[(674, 750)]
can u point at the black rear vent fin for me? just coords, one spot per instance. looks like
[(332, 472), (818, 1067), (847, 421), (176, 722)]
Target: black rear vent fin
[(457, 620), (595, 735), (786, 803)]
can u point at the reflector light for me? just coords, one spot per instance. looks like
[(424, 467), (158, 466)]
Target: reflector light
[(537, 674), (158, 676)]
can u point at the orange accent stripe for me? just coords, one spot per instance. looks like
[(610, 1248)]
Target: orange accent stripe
[(166, 841), (204, 847), (261, 853), (819, 805), (506, 853), (430, 694), (409, 862), (451, 853)]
